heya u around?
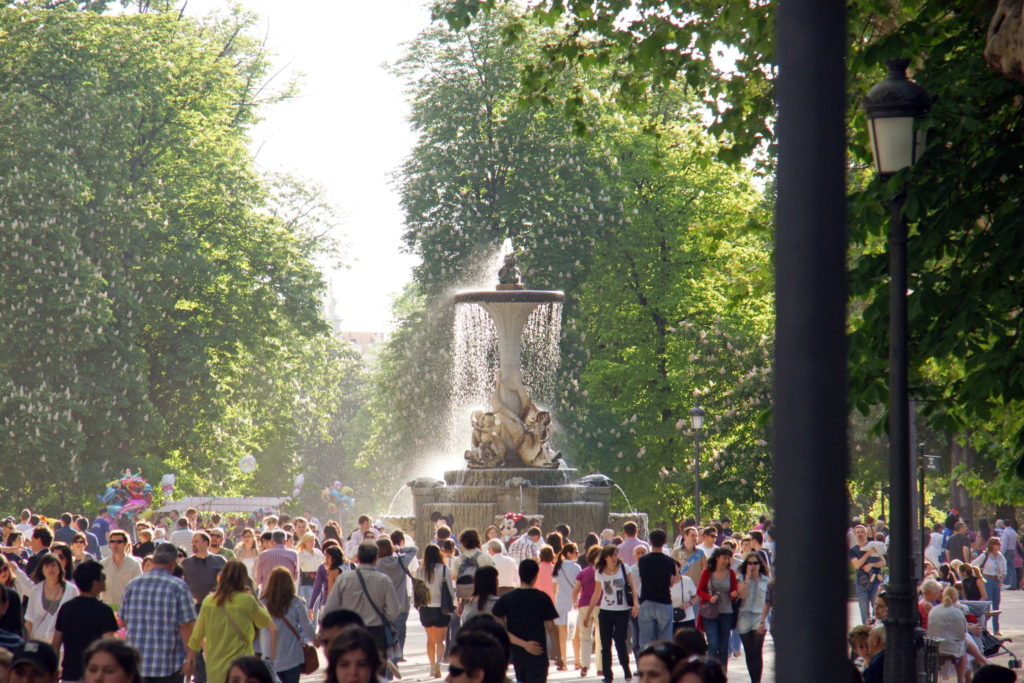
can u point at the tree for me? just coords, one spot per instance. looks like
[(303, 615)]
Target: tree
[(159, 311), (488, 167), (961, 199)]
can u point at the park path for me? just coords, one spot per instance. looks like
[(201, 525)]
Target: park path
[(417, 669)]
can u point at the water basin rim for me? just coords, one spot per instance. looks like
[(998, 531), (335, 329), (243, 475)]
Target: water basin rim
[(539, 296)]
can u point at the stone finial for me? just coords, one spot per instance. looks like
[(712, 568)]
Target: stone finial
[(509, 276)]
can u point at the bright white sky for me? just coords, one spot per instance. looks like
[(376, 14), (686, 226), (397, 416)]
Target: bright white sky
[(346, 130)]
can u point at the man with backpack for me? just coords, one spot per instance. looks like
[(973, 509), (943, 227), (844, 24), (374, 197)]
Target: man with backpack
[(465, 565)]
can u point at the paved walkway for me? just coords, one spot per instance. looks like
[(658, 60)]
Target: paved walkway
[(417, 669)]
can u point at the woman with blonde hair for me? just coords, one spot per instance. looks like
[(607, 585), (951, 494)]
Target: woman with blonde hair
[(291, 623), (310, 559), (228, 620), (947, 623), (972, 586)]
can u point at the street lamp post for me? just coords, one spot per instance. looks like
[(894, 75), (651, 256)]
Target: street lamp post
[(925, 463), (697, 422), (892, 107)]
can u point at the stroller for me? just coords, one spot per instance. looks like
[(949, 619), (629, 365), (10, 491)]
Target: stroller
[(992, 646)]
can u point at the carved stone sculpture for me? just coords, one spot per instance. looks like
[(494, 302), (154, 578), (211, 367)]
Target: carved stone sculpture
[(514, 432), (1004, 48)]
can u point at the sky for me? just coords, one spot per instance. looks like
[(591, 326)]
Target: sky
[(346, 130)]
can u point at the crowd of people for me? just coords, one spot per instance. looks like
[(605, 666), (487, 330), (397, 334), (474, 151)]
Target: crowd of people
[(193, 597), (964, 572)]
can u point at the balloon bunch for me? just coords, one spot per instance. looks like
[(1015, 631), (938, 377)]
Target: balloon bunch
[(338, 497), (167, 486), (128, 496), (300, 479)]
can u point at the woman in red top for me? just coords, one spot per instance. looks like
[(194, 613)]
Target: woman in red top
[(717, 589)]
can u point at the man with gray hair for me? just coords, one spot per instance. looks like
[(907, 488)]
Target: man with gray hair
[(508, 570), (369, 594), (159, 614), (277, 555)]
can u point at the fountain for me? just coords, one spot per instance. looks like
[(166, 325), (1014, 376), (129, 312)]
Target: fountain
[(511, 465)]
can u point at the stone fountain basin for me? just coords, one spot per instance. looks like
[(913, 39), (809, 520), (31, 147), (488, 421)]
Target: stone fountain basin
[(536, 296), (474, 497)]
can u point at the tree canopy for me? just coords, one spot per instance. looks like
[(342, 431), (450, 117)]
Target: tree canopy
[(161, 302), (961, 197), (660, 249)]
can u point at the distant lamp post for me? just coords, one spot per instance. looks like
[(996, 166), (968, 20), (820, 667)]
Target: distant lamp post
[(697, 422), (925, 463), (893, 108)]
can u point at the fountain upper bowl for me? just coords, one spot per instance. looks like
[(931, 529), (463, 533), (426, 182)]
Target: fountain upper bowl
[(510, 296)]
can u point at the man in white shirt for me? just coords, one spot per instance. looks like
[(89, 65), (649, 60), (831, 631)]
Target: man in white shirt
[(1010, 552), (182, 536), (119, 567), (508, 570), (26, 526)]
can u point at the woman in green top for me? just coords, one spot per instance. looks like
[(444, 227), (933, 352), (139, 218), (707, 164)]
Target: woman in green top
[(228, 620)]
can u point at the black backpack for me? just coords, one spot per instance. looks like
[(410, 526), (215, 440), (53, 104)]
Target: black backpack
[(467, 576)]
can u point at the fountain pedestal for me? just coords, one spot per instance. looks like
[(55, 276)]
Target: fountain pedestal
[(474, 497)]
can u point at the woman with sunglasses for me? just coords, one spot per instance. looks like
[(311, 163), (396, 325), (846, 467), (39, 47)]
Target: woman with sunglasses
[(78, 545), (754, 605), (717, 589)]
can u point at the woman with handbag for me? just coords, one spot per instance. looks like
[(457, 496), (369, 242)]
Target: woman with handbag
[(435, 621), (565, 573), (294, 630), (992, 564), (615, 591), (717, 589), (228, 620)]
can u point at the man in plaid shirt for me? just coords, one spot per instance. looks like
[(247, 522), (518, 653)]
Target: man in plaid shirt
[(526, 546), (159, 614)]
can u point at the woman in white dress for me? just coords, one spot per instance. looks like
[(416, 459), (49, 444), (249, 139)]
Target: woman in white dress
[(564, 576)]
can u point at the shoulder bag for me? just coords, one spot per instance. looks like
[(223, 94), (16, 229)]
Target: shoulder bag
[(447, 599), (709, 610), (266, 662), (310, 660), (627, 588), (420, 590), (389, 634)]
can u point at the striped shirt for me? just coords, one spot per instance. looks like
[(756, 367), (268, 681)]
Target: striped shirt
[(277, 555), (154, 606)]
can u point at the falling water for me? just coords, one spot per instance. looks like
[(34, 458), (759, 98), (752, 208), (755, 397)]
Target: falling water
[(475, 363), (393, 499), (541, 352), (628, 504)]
